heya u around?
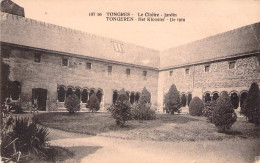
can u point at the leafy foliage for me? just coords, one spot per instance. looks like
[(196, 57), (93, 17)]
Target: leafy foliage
[(196, 106), (251, 107), (121, 110), (72, 103), (93, 103), (172, 100), (224, 115), (209, 110), (142, 110), (145, 97)]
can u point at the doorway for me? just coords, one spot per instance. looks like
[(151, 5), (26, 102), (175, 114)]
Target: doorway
[(41, 95)]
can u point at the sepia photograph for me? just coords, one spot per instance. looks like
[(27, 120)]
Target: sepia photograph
[(121, 81)]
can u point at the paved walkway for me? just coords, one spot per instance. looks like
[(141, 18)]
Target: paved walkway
[(103, 149)]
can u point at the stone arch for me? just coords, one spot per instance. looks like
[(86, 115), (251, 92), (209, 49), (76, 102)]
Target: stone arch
[(207, 97), (99, 94), (15, 90), (91, 92), (84, 95), (69, 91), (215, 96), (115, 96), (183, 100), (137, 96), (61, 93), (132, 97), (189, 98), (234, 99), (243, 96), (78, 92)]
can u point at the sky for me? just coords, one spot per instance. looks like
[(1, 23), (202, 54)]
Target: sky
[(202, 18)]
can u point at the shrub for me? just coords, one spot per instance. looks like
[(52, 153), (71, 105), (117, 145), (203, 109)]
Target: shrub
[(224, 115), (142, 112), (251, 109), (26, 139), (15, 108), (208, 110), (93, 103), (121, 110), (145, 97), (72, 103), (196, 106), (172, 100)]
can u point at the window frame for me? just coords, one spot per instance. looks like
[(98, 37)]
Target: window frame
[(109, 71), (231, 62), (128, 71), (87, 65), (186, 71), (205, 68), (63, 64), (171, 73), (144, 73)]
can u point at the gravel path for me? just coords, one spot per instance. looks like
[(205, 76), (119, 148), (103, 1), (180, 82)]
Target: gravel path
[(103, 149)]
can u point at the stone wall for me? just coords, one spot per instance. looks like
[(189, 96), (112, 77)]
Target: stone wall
[(219, 78), (49, 74)]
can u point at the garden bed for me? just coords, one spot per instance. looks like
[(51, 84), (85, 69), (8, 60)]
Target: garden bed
[(164, 128)]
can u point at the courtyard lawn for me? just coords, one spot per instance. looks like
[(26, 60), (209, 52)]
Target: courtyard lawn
[(164, 128)]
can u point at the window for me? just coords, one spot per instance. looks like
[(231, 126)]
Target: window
[(187, 71), (232, 64), (89, 66), (118, 47), (65, 62), (144, 73), (128, 71), (207, 68), (109, 69), (37, 57), (5, 51), (170, 73)]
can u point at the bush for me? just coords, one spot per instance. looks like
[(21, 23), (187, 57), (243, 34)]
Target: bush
[(142, 112), (121, 110), (93, 103), (208, 110), (15, 108), (72, 103), (172, 100), (224, 115), (251, 109), (145, 97), (25, 140), (196, 106)]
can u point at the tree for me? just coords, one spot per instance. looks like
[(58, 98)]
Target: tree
[(251, 108), (121, 110), (224, 115), (145, 97), (72, 103), (172, 100), (196, 106), (93, 103)]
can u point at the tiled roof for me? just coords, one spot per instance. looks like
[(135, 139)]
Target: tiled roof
[(238, 41), (27, 32)]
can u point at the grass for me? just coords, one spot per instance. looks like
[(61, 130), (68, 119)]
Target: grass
[(164, 128)]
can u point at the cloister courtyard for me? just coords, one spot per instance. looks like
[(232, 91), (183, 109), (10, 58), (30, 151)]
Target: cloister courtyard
[(94, 137)]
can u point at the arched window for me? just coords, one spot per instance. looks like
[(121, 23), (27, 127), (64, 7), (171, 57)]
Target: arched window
[(207, 97), (91, 92), (137, 96), (69, 92), (189, 98), (84, 96), (132, 98), (243, 97), (15, 90), (215, 96), (115, 96), (183, 100), (77, 93), (61, 94), (235, 99), (99, 95)]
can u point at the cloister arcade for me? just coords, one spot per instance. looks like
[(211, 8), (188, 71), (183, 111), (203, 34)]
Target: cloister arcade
[(82, 93), (132, 96)]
